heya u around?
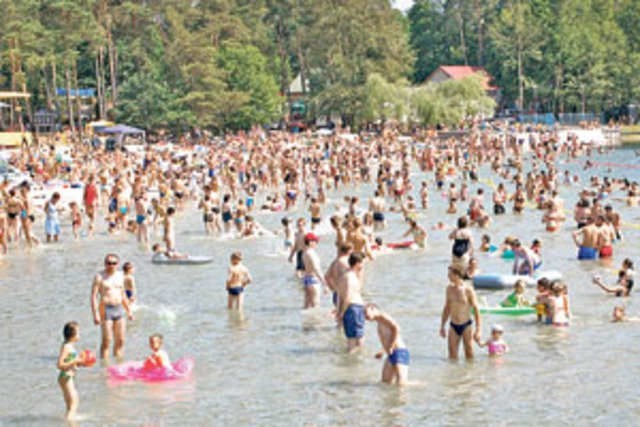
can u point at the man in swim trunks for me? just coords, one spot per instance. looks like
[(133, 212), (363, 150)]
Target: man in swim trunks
[(588, 245), (606, 237), (460, 300), (316, 213), (109, 304), (312, 271), (396, 367), (338, 268), (376, 206), (351, 303)]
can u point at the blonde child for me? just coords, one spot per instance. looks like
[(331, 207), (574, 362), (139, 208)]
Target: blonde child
[(237, 279), (516, 298), (129, 282), (76, 219), (496, 345), (560, 304), (68, 361)]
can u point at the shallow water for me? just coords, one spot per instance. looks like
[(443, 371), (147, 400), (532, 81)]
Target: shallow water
[(276, 365)]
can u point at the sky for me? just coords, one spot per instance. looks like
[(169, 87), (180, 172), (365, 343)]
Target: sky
[(403, 5)]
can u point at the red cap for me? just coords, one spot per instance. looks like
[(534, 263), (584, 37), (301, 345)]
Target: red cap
[(310, 237)]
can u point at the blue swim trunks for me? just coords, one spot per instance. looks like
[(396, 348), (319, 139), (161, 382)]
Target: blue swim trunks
[(400, 356), (309, 280), (140, 219), (585, 253), (334, 298), (353, 321), (235, 291)]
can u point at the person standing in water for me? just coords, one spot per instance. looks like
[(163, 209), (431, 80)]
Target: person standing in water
[(460, 302), (238, 278), (109, 304), (351, 303), (396, 367), (68, 361), (312, 271)]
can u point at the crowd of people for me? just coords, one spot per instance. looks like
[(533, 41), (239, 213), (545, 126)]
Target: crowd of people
[(141, 192)]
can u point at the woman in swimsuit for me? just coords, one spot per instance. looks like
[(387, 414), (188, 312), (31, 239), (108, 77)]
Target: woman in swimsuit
[(462, 248)]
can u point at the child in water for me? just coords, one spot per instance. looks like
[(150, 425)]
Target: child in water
[(396, 367), (237, 279), (486, 245), (516, 298), (286, 230), (559, 301), (68, 361), (542, 300), (158, 358), (496, 345), (76, 219), (129, 282)]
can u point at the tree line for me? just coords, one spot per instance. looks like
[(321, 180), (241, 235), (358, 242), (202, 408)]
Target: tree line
[(228, 64)]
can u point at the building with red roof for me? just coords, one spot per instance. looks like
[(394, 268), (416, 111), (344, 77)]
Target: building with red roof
[(457, 72)]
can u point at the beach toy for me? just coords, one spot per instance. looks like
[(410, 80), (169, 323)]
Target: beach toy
[(400, 245), (191, 260), (143, 371), (89, 358), (508, 311), (506, 281)]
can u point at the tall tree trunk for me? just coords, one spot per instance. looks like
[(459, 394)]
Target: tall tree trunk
[(520, 80), (78, 100), (12, 62), (67, 78), (112, 68), (99, 88)]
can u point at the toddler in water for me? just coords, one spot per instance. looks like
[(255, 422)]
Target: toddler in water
[(237, 280), (158, 358), (496, 345), (542, 300), (68, 361), (516, 298)]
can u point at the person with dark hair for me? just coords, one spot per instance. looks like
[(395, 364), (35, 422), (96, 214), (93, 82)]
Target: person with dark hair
[(462, 248), (351, 303), (68, 361), (109, 305)]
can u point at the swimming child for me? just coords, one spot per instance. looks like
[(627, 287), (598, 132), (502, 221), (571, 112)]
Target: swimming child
[(396, 366), (516, 298), (158, 358), (129, 282), (68, 361), (237, 279), (496, 345), (486, 245)]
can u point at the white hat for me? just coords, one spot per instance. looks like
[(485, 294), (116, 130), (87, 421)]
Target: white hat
[(496, 328)]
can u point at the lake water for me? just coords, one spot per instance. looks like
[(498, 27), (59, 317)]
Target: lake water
[(278, 366)]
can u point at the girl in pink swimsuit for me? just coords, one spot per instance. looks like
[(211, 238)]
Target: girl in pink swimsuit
[(496, 345)]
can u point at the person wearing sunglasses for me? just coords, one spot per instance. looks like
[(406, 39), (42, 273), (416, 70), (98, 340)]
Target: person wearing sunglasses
[(109, 305)]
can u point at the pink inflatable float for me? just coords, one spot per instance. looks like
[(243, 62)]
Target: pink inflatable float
[(139, 371)]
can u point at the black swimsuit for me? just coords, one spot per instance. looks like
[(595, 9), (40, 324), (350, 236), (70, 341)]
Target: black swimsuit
[(460, 247)]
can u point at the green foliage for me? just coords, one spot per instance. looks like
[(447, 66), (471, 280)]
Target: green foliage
[(256, 90)]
